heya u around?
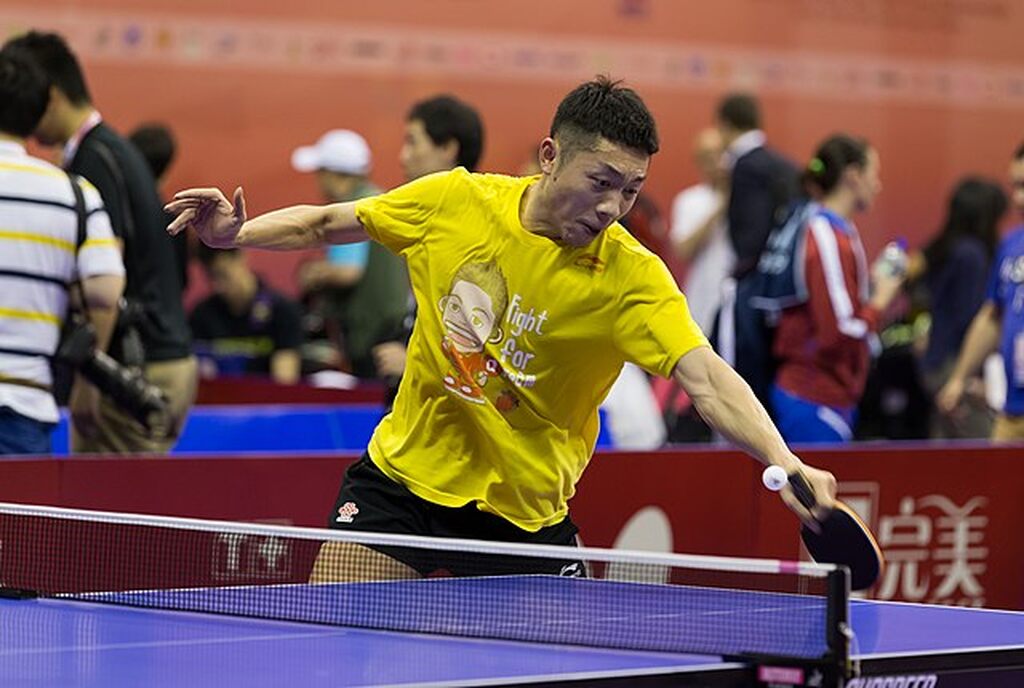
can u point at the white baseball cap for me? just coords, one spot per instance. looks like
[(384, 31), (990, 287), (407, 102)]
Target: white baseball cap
[(339, 150)]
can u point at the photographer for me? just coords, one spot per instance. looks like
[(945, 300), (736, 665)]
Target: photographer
[(42, 251), (155, 339)]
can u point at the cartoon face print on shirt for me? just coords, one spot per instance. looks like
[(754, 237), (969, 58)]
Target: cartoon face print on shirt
[(471, 315)]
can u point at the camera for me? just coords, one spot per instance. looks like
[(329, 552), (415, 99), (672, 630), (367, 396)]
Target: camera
[(126, 386)]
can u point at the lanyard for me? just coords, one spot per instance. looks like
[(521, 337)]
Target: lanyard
[(71, 147)]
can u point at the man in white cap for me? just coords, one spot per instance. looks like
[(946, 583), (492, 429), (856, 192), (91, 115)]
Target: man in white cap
[(341, 160), (361, 289)]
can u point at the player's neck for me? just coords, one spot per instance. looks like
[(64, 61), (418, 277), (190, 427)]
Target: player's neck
[(533, 210)]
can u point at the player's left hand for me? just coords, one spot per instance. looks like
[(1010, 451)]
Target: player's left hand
[(824, 485), (214, 218)]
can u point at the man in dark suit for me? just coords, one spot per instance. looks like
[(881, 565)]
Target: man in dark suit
[(762, 181), (762, 185), (117, 169)]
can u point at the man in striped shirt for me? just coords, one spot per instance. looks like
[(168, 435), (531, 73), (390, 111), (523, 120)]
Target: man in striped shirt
[(40, 257)]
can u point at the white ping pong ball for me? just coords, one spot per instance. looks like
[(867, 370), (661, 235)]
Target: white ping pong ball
[(774, 478)]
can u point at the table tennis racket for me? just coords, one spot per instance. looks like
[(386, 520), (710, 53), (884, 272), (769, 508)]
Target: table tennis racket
[(844, 539)]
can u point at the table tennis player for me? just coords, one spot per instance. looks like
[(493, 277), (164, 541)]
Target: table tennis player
[(530, 297)]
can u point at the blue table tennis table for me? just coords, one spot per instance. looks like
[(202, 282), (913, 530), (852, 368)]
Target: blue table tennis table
[(59, 642)]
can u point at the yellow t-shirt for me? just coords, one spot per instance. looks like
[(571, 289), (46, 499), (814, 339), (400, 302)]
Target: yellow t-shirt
[(516, 343)]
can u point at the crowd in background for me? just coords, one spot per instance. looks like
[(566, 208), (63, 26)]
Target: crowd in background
[(837, 344)]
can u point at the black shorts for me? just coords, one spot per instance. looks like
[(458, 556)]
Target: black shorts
[(371, 501)]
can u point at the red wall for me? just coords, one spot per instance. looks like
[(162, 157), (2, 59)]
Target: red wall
[(945, 518), (936, 85)]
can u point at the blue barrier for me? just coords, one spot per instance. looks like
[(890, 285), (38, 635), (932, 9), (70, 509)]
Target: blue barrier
[(277, 428)]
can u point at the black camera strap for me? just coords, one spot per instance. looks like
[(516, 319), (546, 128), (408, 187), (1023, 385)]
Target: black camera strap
[(82, 214), (106, 156)]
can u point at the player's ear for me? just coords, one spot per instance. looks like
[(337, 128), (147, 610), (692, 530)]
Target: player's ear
[(547, 155), (496, 336), (443, 303)]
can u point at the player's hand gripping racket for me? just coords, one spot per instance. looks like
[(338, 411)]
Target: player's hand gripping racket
[(844, 539)]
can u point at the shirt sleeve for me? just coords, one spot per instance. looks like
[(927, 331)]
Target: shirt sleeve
[(992, 289), (398, 219), (654, 328), (101, 253), (353, 255), (841, 320)]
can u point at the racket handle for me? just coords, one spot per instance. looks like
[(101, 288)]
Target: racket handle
[(802, 489)]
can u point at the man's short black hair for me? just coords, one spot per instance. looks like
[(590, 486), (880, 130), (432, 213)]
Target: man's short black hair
[(445, 117), (54, 57), (24, 94), (156, 143), (604, 108), (740, 111)]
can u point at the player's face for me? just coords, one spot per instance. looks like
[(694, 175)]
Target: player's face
[(589, 189), (420, 155), (1017, 184), (868, 181), (468, 316)]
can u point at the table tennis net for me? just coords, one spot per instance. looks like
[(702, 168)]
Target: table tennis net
[(578, 596)]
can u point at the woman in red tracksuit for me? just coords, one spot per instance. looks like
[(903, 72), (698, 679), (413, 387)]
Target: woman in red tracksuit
[(822, 344)]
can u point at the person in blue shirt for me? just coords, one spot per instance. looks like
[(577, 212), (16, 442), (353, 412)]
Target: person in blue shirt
[(359, 291), (998, 324)]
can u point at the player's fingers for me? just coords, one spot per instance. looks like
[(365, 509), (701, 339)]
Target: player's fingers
[(204, 194), (179, 223), (239, 203), (176, 207)]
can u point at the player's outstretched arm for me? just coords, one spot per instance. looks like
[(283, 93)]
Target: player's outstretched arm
[(221, 223), (728, 405)]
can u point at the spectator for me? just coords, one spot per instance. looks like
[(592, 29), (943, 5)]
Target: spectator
[(95, 151), (999, 323), (762, 183), (244, 327), (955, 267), (42, 220), (699, 233), (700, 239), (360, 291), (822, 338), (157, 144), (441, 133)]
